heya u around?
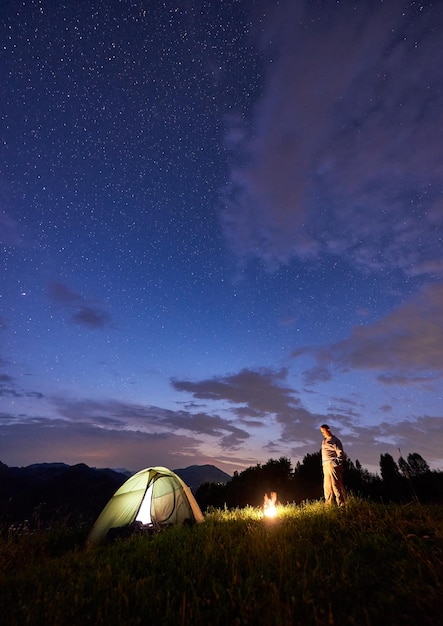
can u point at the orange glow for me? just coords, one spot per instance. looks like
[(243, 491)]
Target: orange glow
[(269, 505)]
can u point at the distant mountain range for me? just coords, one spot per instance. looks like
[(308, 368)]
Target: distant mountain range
[(196, 475), (44, 493), (193, 476)]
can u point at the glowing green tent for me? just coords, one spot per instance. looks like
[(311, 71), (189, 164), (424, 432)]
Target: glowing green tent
[(154, 497)]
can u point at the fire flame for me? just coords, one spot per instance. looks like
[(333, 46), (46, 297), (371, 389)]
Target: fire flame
[(269, 505)]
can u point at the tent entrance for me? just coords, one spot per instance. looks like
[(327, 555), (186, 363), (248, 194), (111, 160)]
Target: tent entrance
[(144, 512)]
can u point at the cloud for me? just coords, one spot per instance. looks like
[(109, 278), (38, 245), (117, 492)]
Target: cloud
[(115, 415), (96, 430), (317, 374), (37, 441), (423, 434), (264, 395), (260, 392), (12, 393), (386, 408), (94, 318), (9, 389), (118, 434), (81, 310), (409, 340), (405, 346), (343, 152)]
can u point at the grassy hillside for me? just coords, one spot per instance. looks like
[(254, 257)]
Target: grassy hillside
[(365, 564)]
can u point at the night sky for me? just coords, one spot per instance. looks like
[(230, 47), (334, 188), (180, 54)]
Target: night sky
[(221, 225)]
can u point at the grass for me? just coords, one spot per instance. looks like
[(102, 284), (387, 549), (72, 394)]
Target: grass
[(365, 564)]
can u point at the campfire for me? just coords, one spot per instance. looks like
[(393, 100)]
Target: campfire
[(269, 505)]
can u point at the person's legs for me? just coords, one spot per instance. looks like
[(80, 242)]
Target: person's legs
[(337, 484), (327, 483)]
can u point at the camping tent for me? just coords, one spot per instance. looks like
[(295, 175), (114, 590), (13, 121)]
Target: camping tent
[(154, 497)]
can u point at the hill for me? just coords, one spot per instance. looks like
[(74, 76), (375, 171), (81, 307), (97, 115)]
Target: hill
[(196, 475), (46, 493)]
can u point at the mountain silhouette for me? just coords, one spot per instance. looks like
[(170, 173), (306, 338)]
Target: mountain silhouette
[(196, 475)]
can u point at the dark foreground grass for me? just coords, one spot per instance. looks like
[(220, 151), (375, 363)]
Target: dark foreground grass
[(365, 565)]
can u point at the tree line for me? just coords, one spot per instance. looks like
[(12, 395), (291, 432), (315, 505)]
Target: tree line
[(402, 481)]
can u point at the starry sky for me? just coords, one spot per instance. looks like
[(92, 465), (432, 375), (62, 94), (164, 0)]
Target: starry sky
[(221, 225)]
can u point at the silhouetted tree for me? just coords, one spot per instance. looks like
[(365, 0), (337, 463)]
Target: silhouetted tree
[(417, 465), (358, 480), (305, 482), (395, 486), (250, 486), (245, 488), (277, 475), (424, 485), (404, 467), (211, 494), (388, 469)]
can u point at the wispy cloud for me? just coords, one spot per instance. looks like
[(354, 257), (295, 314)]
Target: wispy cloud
[(38, 440), (82, 310), (98, 431), (343, 154), (116, 415), (9, 388), (405, 346)]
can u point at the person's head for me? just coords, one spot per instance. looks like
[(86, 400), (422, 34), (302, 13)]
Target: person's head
[(325, 431)]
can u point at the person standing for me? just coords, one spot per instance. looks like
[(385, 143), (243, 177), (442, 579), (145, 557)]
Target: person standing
[(332, 456)]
